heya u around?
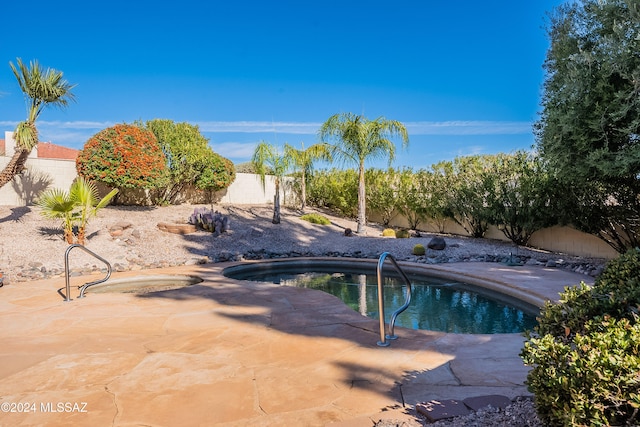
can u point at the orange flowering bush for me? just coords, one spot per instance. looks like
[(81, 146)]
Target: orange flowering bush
[(123, 156)]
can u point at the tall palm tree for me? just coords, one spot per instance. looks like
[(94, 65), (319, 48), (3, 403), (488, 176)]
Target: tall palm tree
[(41, 88), (304, 159), (267, 160), (358, 139)]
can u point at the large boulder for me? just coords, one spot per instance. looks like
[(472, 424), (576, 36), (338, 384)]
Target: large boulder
[(437, 244)]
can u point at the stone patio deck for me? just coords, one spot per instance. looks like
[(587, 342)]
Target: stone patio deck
[(232, 353)]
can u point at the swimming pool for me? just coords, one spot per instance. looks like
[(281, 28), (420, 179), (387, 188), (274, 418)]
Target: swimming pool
[(437, 304)]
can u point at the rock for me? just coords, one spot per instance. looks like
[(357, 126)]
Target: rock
[(550, 264), (348, 232), (123, 225), (116, 232), (437, 244), (177, 228)]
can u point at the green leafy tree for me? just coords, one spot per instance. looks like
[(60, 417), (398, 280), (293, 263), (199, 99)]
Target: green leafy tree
[(382, 196), (267, 159), (357, 139), (434, 202), (335, 189), (523, 196), (75, 207), (218, 173), (589, 127), (41, 88), (412, 199), (469, 184), (190, 159), (303, 160), (123, 156)]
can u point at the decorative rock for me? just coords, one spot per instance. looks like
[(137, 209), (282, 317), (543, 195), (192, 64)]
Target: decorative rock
[(439, 410), (177, 228), (493, 400), (437, 244)]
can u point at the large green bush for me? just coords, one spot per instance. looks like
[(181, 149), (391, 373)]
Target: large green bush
[(585, 351), (123, 156)]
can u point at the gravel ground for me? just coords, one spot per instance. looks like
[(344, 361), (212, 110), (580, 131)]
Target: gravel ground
[(128, 237)]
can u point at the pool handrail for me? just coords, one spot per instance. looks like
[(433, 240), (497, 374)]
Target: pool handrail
[(391, 336), (86, 285)]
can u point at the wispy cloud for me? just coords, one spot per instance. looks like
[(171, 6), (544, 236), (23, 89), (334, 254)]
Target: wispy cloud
[(235, 150), (302, 128), (415, 128), (76, 133), (468, 128)]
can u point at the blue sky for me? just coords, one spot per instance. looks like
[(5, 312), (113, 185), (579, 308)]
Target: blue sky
[(464, 77)]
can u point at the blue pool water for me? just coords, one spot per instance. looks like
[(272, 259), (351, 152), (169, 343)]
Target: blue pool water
[(436, 304)]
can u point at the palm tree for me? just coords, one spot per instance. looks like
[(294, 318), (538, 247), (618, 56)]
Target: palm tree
[(41, 88), (267, 160), (74, 207), (358, 139), (304, 159), (84, 194), (56, 203)]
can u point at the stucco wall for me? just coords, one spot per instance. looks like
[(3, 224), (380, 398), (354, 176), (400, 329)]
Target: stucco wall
[(556, 239)]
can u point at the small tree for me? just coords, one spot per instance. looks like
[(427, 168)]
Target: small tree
[(522, 197), (75, 207), (123, 156), (267, 158), (382, 196), (411, 200), (189, 157), (335, 189), (469, 186), (218, 173), (303, 159)]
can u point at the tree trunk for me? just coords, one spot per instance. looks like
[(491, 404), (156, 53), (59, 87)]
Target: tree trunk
[(276, 204), (14, 167), (303, 191), (68, 236), (362, 216), (81, 235)]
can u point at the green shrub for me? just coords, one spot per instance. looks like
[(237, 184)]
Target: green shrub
[(388, 232), (419, 250), (123, 156), (585, 351), (315, 218), (402, 234)]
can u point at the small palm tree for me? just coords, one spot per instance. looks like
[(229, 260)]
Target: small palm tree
[(266, 159), (74, 207), (304, 159), (358, 139), (56, 203), (84, 194), (41, 88)]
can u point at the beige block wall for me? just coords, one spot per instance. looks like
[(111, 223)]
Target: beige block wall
[(39, 175), (555, 239)]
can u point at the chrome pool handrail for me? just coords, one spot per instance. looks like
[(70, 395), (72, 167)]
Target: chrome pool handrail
[(86, 285), (391, 336)]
